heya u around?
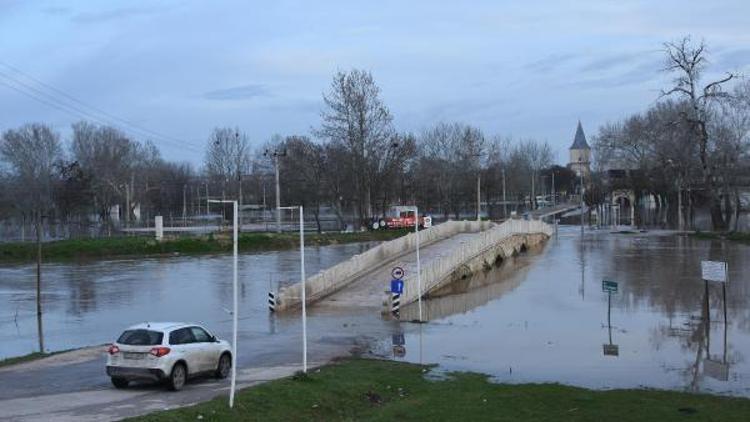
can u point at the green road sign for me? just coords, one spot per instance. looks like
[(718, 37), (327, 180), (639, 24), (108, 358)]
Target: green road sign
[(609, 286)]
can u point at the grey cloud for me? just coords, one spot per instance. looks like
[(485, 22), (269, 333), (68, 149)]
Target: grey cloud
[(550, 62), (110, 15), (640, 72), (612, 61), (733, 60), (57, 11), (238, 93)]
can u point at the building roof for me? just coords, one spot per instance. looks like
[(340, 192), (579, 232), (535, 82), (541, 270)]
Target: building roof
[(579, 142)]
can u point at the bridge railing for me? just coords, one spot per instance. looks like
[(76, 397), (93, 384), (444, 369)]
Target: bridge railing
[(433, 273), (339, 276)]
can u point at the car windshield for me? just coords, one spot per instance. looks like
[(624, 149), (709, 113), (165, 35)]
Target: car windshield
[(141, 337)]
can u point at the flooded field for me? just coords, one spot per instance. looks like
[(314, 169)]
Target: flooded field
[(541, 317), (546, 318), (90, 303)]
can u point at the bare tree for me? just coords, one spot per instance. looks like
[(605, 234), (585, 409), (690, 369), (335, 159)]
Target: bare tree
[(32, 153), (228, 158), (303, 173), (356, 118), (688, 61), (111, 160)]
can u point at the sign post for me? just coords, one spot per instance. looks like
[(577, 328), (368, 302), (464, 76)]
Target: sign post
[(397, 288), (235, 229), (610, 287), (716, 271)]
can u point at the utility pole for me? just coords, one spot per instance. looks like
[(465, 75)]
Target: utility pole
[(39, 280), (127, 205), (479, 196), (680, 224), (278, 193), (275, 154), (505, 204), (184, 204), (208, 200), (554, 198), (583, 190)]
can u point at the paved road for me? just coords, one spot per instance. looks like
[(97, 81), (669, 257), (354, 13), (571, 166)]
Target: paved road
[(73, 386), (368, 291)]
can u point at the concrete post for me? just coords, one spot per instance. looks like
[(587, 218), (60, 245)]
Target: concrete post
[(159, 227)]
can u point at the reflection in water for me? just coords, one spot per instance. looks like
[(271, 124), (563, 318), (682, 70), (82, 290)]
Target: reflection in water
[(527, 321), (90, 303), (472, 292), (610, 349)]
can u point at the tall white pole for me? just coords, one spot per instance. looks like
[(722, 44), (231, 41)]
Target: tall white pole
[(419, 267), (278, 194), (234, 313), (302, 275)]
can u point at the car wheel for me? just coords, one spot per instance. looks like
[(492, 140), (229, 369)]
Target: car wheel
[(177, 377), (224, 366), (120, 382)]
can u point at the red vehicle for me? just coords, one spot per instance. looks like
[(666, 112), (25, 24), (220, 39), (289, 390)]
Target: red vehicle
[(401, 218)]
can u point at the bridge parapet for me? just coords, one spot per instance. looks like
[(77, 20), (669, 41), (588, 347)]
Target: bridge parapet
[(339, 276), (438, 271)]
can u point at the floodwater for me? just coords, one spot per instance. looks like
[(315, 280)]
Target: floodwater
[(91, 303), (540, 317), (545, 318)]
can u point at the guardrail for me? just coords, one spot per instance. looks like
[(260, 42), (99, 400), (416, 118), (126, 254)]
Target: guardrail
[(437, 270)]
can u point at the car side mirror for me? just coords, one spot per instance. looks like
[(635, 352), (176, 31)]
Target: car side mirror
[(214, 340)]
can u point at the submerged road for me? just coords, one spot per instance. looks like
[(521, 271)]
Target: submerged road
[(368, 290)]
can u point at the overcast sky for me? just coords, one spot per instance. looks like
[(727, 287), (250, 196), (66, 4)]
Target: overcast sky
[(179, 68)]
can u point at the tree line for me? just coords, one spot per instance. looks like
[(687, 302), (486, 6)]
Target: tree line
[(354, 164), (691, 147)]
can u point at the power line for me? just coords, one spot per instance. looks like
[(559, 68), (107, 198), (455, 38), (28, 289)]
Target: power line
[(69, 106), (98, 110)]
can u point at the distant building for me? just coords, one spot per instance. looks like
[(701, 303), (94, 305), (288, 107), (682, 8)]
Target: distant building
[(580, 153)]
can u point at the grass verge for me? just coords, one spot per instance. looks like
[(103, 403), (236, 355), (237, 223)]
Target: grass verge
[(28, 358), (733, 236), (126, 246), (361, 389)]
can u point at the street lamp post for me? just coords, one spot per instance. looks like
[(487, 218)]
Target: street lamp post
[(234, 296), (275, 154), (419, 267), (302, 281), (554, 197), (505, 204), (583, 191)]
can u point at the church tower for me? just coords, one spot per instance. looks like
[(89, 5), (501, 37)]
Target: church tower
[(580, 153)]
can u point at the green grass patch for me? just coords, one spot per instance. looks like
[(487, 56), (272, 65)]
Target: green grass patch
[(373, 390), (739, 237), (128, 246)]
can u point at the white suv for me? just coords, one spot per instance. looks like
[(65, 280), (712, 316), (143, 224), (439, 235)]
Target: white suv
[(166, 351)]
